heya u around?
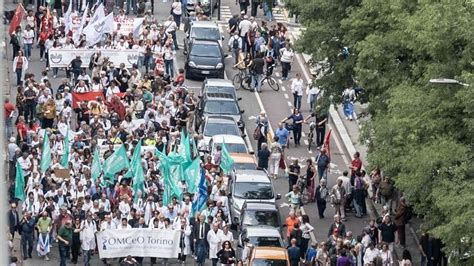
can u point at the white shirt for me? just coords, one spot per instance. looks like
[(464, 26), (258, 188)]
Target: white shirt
[(297, 86), (286, 55), (370, 255), (244, 27), (346, 183), (176, 6)]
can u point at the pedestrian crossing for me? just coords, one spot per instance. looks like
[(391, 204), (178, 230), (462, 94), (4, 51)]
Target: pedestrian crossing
[(226, 14)]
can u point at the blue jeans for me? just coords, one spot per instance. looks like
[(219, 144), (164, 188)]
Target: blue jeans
[(257, 82), (27, 243), (63, 254), (86, 257), (131, 6), (27, 48), (357, 207), (169, 68), (322, 172), (297, 101), (18, 73), (267, 11), (9, 127), (175, 41)]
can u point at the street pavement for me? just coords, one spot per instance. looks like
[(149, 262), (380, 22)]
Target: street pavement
[(277, 105)]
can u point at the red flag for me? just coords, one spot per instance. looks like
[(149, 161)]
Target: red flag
[(17, 18), (89, 96), (327, 140)]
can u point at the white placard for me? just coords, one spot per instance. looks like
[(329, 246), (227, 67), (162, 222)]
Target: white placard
[(62, 57), (138, 242), (126, 25)]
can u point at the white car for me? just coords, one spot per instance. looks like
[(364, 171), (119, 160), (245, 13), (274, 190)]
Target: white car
[(262, 236), (234, 144)]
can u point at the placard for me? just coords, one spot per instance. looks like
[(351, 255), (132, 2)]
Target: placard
[(62, 57), (138, 242)]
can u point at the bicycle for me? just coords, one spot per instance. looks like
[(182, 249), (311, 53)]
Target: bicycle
[(312, 127), (239, 78), (244, 80)]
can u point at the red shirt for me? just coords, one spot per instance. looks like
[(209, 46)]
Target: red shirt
[(356, 166), (21, 128), (9, 108)]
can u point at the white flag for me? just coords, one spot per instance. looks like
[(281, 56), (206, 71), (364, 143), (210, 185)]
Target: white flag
[(67, 18), (77, 34), (98, 13), (137, 27), (95, 31)]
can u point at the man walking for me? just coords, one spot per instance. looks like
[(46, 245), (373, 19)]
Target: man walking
[(44, 226), (257, 73), (64, 241), (27, 228)]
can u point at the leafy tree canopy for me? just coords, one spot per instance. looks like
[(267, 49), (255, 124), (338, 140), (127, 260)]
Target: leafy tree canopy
[(421, 134)]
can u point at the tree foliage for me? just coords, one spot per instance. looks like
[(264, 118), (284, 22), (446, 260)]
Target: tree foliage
[(421, 134)]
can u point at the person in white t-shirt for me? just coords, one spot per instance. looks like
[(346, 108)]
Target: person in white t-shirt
[(176, 11)]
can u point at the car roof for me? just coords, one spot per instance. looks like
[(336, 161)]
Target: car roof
[(220, 119), (219, 82), (242, 158), (204, 24), (231, 139), (205, 42), (219, 95), (256, 176), (259, 205), (255, 231), (270, 253)]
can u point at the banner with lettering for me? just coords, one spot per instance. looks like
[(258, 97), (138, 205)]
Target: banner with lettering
[(62, 57), (138, 242)]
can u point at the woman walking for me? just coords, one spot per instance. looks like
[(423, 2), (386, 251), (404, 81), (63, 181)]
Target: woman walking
[(275, 156), (297, 118), (20, 65)]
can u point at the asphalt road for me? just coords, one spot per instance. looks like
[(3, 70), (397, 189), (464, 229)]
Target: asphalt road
[(277, 106)]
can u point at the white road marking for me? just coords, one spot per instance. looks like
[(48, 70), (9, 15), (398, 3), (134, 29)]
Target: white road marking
[(303, 134), (286, 96), (252, 117), (279, 81), (283, 88), (289, 104)]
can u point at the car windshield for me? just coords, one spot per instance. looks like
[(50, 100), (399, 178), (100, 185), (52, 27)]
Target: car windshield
[(221, 107), (252, 190), (205, 33), (213, 129), (265, 241), (268, 218), (216, 89), (203, 50), (269, 262), (245, 166)]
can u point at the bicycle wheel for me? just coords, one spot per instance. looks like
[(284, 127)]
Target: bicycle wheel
[(273, 84), (237, 81)]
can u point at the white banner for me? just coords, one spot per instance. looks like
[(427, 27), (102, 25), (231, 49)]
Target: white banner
[(124, 25), (61, 57), (138, 242)]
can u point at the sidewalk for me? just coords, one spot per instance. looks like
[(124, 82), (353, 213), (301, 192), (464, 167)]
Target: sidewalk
[(349, 133)]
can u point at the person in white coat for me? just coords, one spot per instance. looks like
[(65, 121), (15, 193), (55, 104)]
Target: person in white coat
[(87, 236), (214, 238), (297, 86), (185, 240), (227, 235), (20, 65), (313, 92)]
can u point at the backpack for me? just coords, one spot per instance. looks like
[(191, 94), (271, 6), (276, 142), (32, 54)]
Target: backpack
[(235, 43)]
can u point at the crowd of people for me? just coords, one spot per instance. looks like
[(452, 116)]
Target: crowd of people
[(148, 104)]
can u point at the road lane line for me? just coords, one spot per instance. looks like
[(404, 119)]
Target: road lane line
[(303, 134), (286, 96), (279, 81), (289, 104), (283, 88)]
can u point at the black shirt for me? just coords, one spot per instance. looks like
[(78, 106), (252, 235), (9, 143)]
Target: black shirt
[(319, 119), (258, 65), (388, 232), (294, 169)]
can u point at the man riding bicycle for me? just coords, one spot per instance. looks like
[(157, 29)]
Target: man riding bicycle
[(257, 72)]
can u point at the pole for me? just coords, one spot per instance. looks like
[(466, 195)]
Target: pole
[(219, 10)]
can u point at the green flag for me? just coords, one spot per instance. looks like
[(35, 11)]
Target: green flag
[(19, 183), (184, 149), (192, 174), (96, 168), (138, 180), (136, 160), (45, 154), (116, 162), (65, 157), (226, 160), (170, 167)]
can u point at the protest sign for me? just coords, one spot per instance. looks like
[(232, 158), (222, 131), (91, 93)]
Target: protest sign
[(138, 242), (62, 57)]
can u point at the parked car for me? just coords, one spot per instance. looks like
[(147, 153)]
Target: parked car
[(203, 30), (221, 104), (269, 256), (208, 7), (204, 59), (219, 125), (234, 144), (262, 236), (243, 161), (225, 86), (256, 213), (254, 185)]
